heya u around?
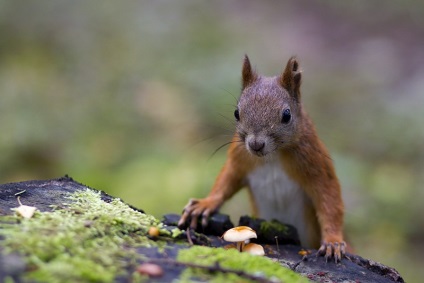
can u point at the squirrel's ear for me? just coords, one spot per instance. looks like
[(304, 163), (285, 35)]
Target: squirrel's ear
[(248, 75), (291, 77)]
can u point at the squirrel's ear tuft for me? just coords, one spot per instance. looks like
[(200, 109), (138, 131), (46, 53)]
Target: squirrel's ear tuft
[(248, 75), (290, 79)]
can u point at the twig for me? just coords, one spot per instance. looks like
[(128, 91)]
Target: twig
[(278, 247), (189, 236), (214, 268), (19, 201), (296, 264), (20, 193)]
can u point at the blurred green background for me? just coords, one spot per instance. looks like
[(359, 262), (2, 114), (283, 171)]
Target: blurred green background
[(133, 97)]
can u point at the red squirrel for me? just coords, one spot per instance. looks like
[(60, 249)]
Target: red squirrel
[(276, 153)]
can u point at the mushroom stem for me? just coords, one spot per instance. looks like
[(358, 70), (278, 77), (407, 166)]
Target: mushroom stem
[(240, 246)]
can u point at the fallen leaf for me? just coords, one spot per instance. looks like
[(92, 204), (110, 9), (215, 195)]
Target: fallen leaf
[(25, 211), (230, 246), (150, 269), (303, 252)]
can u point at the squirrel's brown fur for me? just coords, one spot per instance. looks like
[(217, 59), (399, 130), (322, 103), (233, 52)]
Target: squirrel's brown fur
[(277, 154)]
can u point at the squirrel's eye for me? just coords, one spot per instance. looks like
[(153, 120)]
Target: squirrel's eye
[(237, 114), (286, 116)]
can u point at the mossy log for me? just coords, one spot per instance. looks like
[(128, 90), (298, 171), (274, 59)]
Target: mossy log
[(79, 234)]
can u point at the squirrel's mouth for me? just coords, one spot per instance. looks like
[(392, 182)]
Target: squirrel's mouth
[(257, 153)]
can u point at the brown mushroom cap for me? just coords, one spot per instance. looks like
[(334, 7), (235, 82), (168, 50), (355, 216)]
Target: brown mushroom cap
[(254, 249), (239, 234)]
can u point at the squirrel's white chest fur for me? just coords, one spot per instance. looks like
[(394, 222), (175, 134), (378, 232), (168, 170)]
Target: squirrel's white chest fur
[(279, 197)]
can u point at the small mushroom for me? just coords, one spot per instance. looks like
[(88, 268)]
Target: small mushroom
[(239, 235), (254, 249)]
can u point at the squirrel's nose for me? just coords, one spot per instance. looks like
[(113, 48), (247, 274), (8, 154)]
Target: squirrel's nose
[(256, 145)]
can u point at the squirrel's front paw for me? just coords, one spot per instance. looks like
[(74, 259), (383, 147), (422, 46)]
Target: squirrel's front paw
[(197, 208), (333, 249)]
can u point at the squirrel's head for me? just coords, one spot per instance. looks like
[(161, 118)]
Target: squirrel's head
[(269, 109)]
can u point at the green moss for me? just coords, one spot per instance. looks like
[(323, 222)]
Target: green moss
[(89, 240), (176, 232), (82, 242), (232, 259), (273, 225)]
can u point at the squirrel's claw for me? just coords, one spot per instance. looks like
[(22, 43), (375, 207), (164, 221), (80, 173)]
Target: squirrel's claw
[(188, 213), (193, 223), (205, 217), (332, 249), (193, 210)]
